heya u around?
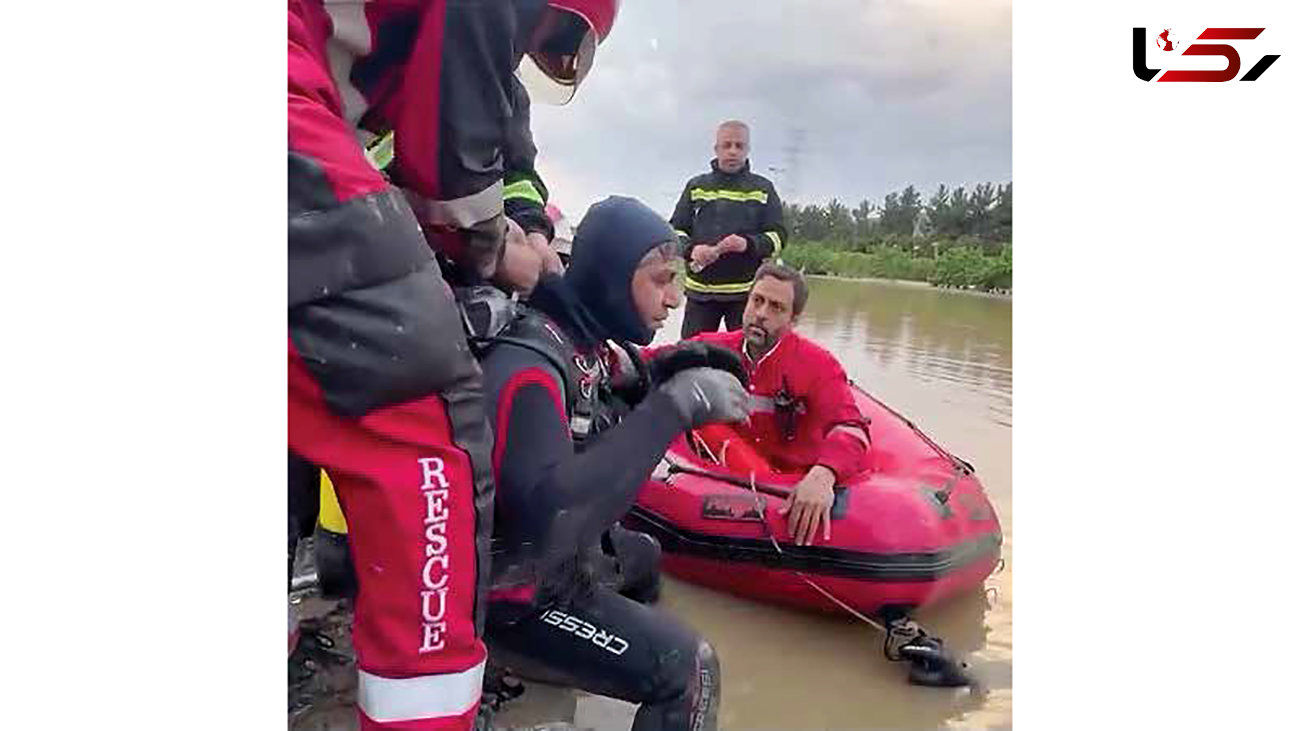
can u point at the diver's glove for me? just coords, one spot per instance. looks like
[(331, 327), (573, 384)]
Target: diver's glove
[(668, 361), (704, 395)]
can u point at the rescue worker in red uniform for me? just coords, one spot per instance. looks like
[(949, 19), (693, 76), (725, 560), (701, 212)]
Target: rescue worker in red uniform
[(383, 391), (805, 419)]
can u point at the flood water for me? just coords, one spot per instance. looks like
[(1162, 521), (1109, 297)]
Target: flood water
[(943, 359)]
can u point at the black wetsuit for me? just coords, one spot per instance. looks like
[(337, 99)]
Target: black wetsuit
[(547, 614)]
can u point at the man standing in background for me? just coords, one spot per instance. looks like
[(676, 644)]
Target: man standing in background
[(730, 221)]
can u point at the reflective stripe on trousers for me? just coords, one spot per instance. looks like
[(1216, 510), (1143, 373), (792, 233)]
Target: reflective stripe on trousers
[(293, 629), (386, 700)]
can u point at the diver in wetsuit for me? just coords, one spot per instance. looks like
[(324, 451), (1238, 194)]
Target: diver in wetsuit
[(544, 375)]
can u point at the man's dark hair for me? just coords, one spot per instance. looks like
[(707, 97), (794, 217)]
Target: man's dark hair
[(777, 270), (667, 251)]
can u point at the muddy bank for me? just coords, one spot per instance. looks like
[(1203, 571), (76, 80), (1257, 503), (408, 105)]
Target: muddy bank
[(323, 684), (996, 294)]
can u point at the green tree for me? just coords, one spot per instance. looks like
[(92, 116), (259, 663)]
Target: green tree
[(937, 210), (816, 225), (792, 213), (981, 210), (1000, 225), (898, 214), (839, 224), (960, 213), (862, 220)]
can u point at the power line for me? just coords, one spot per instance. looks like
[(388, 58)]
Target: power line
[(794, 151)]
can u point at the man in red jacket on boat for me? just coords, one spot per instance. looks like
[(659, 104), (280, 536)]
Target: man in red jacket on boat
[(804, 418)]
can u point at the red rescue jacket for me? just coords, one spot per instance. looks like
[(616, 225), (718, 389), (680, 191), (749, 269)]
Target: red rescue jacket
[(367, 308), (811, 379)]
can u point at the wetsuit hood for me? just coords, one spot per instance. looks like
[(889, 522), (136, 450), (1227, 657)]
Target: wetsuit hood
[(555, 297), (608, 246)]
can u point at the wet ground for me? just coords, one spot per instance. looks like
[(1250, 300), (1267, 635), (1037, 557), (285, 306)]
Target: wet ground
[(323, 686)]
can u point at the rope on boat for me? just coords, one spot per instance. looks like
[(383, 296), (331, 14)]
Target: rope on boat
[(957, 462), (701, 444), (904, 639), (759, 503)]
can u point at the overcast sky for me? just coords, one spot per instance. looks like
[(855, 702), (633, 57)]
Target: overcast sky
[(884, 92)]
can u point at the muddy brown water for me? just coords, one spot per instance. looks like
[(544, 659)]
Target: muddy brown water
[(942, 358)]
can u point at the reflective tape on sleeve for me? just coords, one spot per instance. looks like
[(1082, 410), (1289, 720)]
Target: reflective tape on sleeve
[(523, 190), (776, 241), (696, 285), (460, 212), (379, 151)]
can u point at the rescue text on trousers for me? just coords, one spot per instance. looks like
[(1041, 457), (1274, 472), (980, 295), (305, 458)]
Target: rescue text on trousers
[(437, 564)]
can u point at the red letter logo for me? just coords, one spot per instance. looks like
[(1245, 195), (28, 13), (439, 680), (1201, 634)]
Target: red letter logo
[(1166, 42)]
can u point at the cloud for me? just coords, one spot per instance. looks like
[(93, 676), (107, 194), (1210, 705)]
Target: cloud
[(877, 94)]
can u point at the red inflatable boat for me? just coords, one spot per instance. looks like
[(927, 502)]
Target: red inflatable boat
[(915, 528)]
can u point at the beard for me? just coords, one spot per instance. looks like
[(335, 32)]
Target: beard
[(758, 338)]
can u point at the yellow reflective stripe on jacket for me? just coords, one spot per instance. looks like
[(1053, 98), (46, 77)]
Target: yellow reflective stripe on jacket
[(700, 194), (379, 151), (776, 241), (331, 513), (523, 189), (729, 288)]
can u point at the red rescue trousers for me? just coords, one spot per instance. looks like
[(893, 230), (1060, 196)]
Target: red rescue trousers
[(408, 494)]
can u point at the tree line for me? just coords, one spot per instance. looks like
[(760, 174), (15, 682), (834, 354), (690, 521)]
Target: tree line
[(979, 217), (954, 238)]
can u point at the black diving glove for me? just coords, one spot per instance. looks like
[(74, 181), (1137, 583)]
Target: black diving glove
[(673, 359), (704, 395)]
